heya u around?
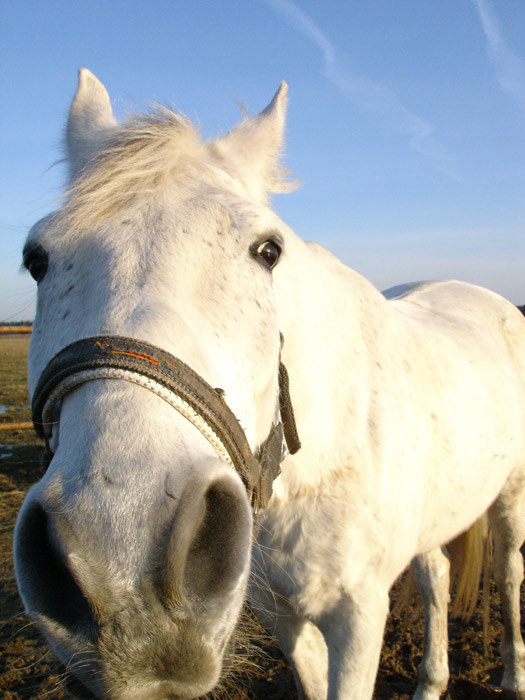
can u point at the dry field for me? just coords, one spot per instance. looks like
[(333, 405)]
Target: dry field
[(28, 670)]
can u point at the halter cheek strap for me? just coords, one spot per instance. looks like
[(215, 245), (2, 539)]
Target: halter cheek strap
[(116, 357)]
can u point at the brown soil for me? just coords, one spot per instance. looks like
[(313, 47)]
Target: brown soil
[(28, 669)]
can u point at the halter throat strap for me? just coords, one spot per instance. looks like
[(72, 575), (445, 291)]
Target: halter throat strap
[(117, 357)]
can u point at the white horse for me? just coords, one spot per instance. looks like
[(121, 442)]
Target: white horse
[(133, 552)]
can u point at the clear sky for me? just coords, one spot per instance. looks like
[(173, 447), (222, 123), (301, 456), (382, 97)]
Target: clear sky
[(406, 122)]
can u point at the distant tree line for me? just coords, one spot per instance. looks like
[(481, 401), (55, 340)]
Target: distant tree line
[(522, 309)]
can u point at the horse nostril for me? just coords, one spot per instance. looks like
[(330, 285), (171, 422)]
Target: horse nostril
[(50, 591), (209, 544), (216, 557)]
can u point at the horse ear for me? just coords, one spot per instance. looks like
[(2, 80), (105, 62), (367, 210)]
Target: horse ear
[(254, 146), (90, 119)]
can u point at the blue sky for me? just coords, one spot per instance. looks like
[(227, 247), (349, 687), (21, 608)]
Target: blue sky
[(406, 122)]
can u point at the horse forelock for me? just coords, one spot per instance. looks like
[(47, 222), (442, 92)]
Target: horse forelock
[(143, 154), (136, 159)]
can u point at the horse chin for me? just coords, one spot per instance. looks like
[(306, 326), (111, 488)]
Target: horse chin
[(170, 661)]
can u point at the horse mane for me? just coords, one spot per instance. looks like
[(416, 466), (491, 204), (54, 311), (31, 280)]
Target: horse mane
[(136, 158)]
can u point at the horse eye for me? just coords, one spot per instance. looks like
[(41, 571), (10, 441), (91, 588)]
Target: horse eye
[(269, 252), (36, 261)]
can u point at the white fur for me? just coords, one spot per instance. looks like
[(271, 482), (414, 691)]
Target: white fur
[(411, 412)]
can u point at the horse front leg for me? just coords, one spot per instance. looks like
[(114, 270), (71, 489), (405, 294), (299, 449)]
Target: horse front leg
[(431, 571), (353, 631), (303, 645), (298, 638)]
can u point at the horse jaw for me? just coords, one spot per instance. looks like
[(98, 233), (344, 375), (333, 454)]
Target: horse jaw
[(90, 119)]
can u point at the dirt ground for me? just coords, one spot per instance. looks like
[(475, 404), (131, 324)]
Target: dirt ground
[(28, 669)]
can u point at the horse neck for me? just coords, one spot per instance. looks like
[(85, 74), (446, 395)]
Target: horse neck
[(338, 325)]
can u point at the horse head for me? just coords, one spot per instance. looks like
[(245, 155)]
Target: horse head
[(133, 551)]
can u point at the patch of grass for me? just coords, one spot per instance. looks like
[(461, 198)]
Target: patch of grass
[(14, 402), (25, 660)]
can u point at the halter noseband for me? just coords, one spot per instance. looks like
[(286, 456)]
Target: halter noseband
[(115, 357)]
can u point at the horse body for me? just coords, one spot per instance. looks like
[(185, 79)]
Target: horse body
[(433, 377), (406, 465), (411, 413)]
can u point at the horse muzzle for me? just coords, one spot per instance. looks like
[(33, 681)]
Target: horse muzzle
[(163, 636)]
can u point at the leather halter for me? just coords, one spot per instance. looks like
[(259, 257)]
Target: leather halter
[(116, 357)]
